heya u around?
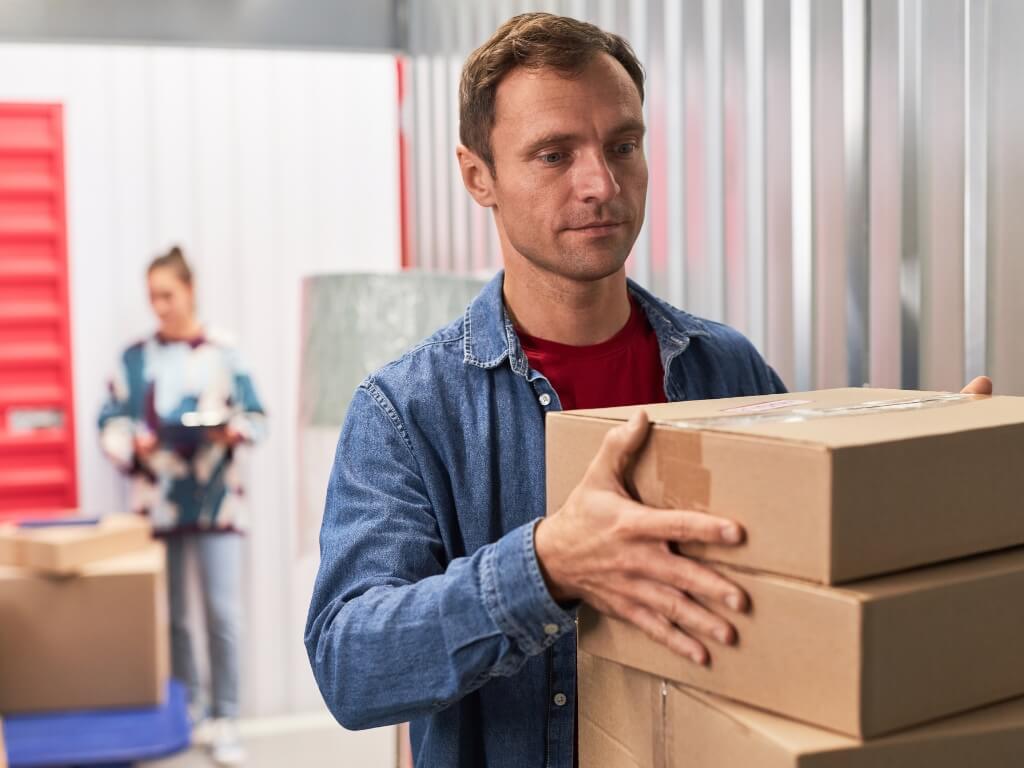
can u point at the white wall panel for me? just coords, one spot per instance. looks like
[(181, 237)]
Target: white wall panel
[(264, 166), (89, 153), (171, 113), (216, 227)]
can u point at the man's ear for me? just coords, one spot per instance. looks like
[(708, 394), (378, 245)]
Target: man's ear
[(476, 175)]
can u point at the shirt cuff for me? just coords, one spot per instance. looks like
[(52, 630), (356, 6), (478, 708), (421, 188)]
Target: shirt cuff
[(516, 596)]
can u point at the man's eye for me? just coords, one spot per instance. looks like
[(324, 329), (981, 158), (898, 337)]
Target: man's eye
[(552, 158), (626, 148)]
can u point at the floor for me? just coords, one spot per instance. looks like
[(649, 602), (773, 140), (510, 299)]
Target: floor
[(301, 741)]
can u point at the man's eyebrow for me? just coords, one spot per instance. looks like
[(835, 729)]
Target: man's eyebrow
[(627, 126), (630, 126), (548, 138)]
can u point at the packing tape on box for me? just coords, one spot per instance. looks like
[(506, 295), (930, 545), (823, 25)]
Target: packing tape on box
[(683, 463), (768, 414)]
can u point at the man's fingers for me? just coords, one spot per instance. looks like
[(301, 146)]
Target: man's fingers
[(621, 443), (661, 630), (678, 608), (690, 576), (980, 385), (681, 525)]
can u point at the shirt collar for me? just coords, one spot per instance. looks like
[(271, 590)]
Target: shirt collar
[(490, 337)]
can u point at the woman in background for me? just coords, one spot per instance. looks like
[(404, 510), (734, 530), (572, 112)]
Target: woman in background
[(180, 406)]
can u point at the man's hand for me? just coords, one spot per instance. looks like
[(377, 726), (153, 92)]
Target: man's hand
[(613, 552), (981, 385)]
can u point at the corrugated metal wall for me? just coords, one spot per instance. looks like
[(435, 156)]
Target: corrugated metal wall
[(836, 178)]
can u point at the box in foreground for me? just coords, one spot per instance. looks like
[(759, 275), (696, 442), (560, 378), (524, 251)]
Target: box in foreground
[(864, 659), (66, 548), (832, 486), (97, 639), (629, 719)]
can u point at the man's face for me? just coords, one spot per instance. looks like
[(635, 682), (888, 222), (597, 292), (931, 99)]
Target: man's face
[(570, 173)]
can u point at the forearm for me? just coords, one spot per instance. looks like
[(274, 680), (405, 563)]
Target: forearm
[(117, 435), (400, 651)]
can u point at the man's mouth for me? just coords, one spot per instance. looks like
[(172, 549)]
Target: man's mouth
[(603, 227)]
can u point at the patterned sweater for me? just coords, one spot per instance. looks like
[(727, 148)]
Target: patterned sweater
[(180, 392)]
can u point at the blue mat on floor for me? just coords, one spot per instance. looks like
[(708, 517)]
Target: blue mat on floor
[(102, 737)]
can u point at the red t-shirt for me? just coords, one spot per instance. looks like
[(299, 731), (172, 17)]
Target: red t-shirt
[(624, 370)]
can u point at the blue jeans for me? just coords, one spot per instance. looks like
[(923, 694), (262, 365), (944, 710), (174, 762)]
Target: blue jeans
[(220, 571)]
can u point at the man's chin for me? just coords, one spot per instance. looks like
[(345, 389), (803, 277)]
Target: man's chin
[(581, 264), (592, 266), (591, 274)]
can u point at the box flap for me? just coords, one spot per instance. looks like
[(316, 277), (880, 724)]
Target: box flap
[(795, 737), (941, 576), (149, 559), (64, 548), (66, 534), (802, 739)]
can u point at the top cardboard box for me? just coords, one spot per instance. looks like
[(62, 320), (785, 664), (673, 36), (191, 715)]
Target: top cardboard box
[(831, 486), (65, 549)]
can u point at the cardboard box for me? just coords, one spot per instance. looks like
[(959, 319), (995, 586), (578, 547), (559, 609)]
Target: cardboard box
[(629, 719), (620, 715), (831, 486), (66, 548), (864, 660), (99, 639)]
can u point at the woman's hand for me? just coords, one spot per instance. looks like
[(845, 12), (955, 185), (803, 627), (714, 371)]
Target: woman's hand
[(226, 435), (144, 443)]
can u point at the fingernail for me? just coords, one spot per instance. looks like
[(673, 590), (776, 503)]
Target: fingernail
[(697, 659), (734, 601), (731, 533), (722, 636)]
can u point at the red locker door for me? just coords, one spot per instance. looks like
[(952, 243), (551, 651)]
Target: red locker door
[(37, 437)]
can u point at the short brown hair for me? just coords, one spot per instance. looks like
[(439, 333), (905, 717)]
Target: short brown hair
[(173, 260), (533, 41)]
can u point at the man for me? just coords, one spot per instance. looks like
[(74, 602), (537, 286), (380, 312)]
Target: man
[(444, 596)]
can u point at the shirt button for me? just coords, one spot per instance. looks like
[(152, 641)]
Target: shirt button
[(550, 629), (560, 699), (545, 399)]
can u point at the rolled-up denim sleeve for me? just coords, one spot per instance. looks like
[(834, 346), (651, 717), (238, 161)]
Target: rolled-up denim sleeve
[(396, 632)]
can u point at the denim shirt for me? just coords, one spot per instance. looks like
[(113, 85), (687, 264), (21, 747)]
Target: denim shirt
[(429, 605)]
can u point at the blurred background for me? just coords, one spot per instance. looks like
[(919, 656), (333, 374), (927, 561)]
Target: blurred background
[(839, 179)]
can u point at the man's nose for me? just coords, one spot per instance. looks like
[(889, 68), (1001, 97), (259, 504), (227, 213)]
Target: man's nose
[(595, 181)]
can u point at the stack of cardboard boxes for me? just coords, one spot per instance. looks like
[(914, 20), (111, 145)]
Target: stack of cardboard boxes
[(83, 617), (885, 567)]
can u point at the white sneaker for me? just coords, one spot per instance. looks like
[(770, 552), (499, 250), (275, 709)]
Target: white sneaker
[(227, 747), (203, 732)]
